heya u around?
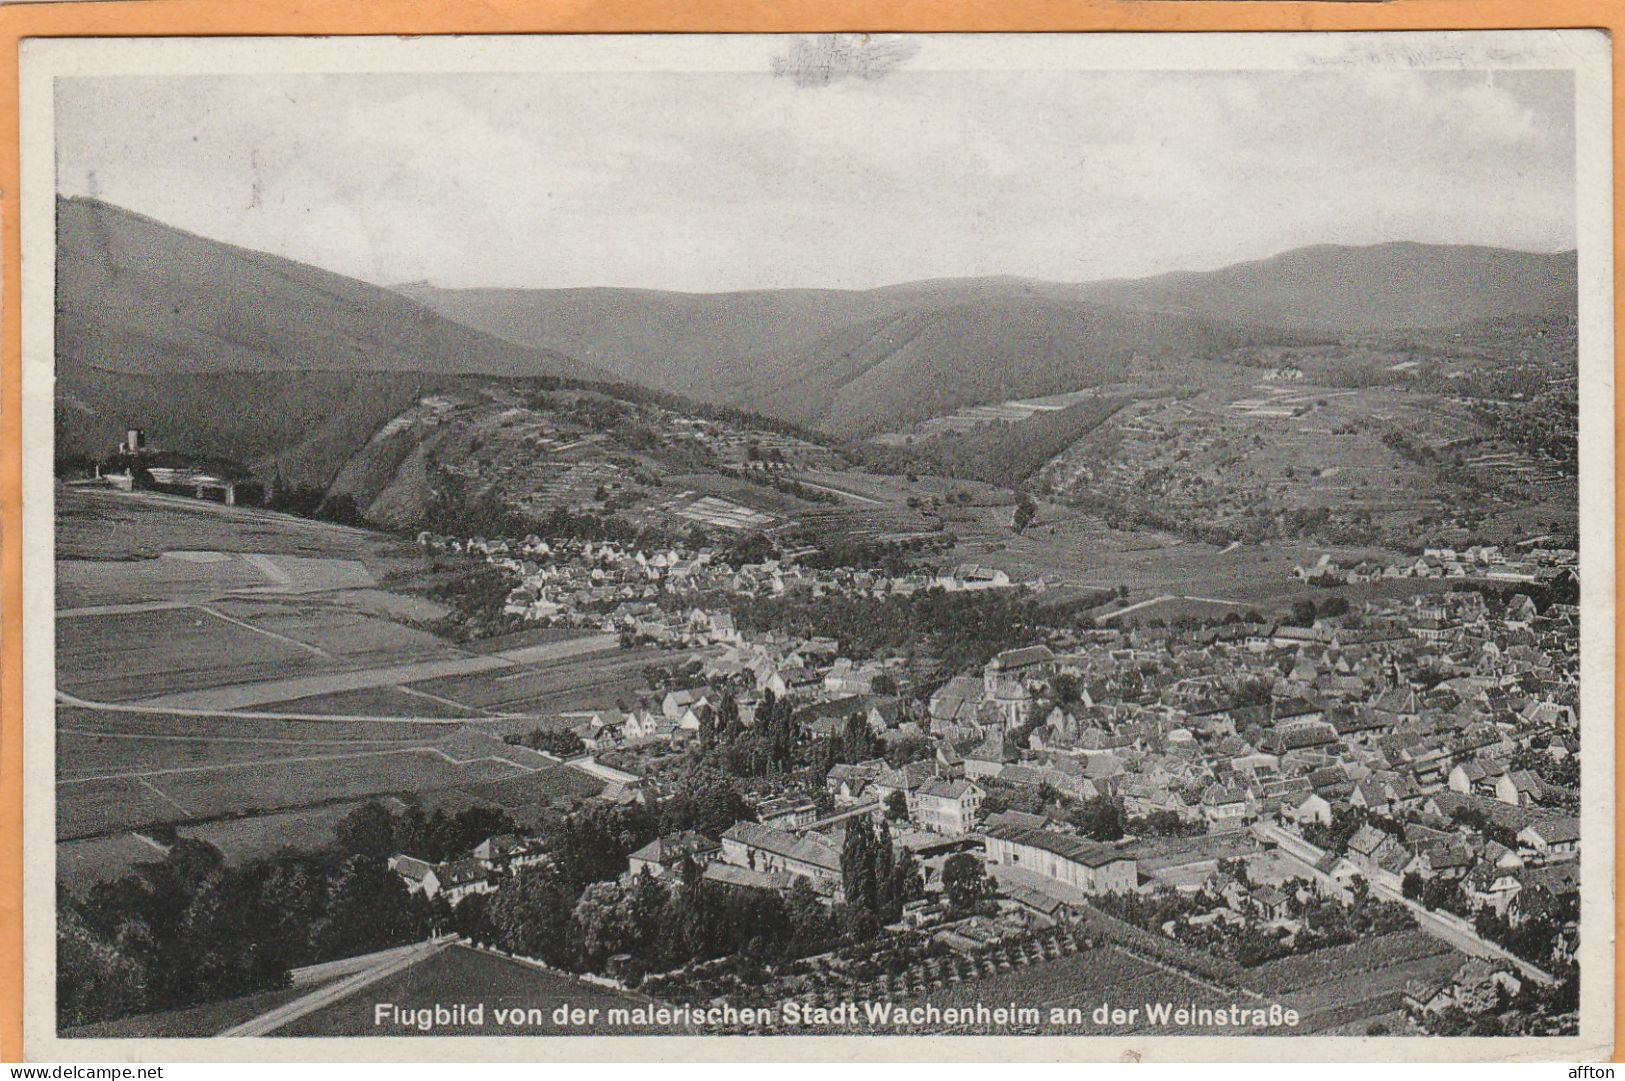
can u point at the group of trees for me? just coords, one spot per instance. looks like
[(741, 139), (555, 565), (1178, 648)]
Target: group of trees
[(876, 878), (311, 501), (773, 745), (476, 599), (777, 744), (1324, 921), (1539, 930), (377, 833), (578, 914), (1007, 454), (959, 631), (559, 742), (189, 928), (1436, 894)]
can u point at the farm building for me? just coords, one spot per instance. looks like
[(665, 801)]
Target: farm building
[(1084, 865)]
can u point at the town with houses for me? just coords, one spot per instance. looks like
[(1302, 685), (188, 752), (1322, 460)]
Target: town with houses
[(1230, 792)]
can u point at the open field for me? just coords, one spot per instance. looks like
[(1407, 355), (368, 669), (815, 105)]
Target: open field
[(1245, 454), (82, 756), (147, 796), (462, 974), (139, 654), (337, 631), (81, 864), (123, 771), (543, 786), (86, 863), (263, 835), (230, 729), (375, 702), (896, 490), (1083, 980), (99, 524), (1077, 548), (757, 497), (169, 576), (588, 682), (170, 612)]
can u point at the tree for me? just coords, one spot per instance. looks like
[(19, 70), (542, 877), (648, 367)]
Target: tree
[(884, 684), (808, 918), (1025, 512), (95, 981), (1101, 818), (908, 884), (964, 882), (369, 909), (689, 925), (601, 912), (707, 801), (887, 905), (1303, 613), (559, 742), (369, 831), (858, 742), (533, 916), (896, 805), (858, 866)]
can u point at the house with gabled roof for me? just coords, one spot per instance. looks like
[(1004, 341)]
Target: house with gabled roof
[(988, 758), (1224, 807), (451, 881), (1552, 838), (949, 807), (766, 849)]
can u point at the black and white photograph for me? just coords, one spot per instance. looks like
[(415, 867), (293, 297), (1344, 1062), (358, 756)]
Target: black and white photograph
[(1075, 540)]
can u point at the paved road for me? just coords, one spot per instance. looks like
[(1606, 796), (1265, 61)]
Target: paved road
[(842, 492), (1467, 942), (1169, 597), (133, 608), (255, 715), (393, 962)]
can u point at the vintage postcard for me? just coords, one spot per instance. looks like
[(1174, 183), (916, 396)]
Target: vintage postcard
[(694, 546)]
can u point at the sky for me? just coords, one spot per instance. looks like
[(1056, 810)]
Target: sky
[(797, 175)]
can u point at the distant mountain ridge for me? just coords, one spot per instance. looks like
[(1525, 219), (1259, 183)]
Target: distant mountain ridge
[(1375, 289), (222, 350), (158, 327), (860, 360), (134, 294)]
